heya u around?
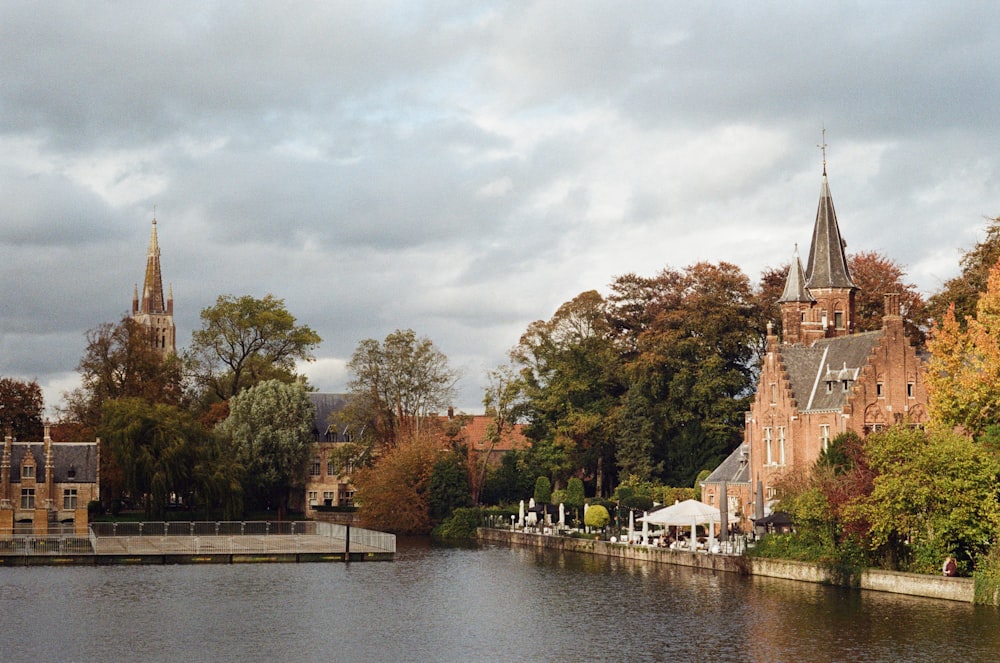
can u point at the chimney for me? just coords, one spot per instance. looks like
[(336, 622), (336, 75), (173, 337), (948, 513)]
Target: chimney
[(891, 301)]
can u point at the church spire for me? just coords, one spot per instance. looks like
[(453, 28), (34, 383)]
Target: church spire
[(153, 301), (154, 311), (827, 266)]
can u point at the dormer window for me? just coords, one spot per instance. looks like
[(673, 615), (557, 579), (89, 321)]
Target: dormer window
[(71, 472), (28, 472)]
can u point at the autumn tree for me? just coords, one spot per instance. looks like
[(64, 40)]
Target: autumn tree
[(963, 291), (244, 341), (876, 276), (270, 427), (396, 385), (21, 406), (964, 366), (393, 493), (121, 361), (690, 369)]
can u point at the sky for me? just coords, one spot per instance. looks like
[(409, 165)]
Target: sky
[(463, 168)]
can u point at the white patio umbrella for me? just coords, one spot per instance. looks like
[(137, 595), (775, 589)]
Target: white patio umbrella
[(520, 515), (631, 525), (689, 513), (562, 515), (645, 527)]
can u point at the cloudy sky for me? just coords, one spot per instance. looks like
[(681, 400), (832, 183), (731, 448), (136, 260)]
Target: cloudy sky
[(463, 168)]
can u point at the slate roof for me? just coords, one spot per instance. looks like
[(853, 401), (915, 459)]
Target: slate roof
[(734, 469), (76, 458), (830, 359), (326, 404), (827, 266), (795, 284)]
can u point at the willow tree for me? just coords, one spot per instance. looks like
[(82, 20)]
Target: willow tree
[(270, 426)]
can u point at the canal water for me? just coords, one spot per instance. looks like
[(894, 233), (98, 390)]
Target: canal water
[(439, 603)]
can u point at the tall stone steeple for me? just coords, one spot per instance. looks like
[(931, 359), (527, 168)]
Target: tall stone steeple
[(153, 310)]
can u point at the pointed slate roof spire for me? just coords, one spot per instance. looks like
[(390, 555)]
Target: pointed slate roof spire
[(152, 284), (795, 284), (827, 266)]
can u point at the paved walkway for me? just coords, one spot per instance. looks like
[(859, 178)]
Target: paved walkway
[(224, 544)]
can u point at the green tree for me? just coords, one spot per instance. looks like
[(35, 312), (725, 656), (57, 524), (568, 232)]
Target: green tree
[(270, 428), (963, 291), (543, 490), (934, 494), (244, 341), (511, 481), (396, 386), (157, 446), (448, 488), (572, 379), (21, 406)]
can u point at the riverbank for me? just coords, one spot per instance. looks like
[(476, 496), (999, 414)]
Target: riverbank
[(911, 584)]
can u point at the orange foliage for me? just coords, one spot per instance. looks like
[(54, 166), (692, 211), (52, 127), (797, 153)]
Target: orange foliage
[(392, 493)]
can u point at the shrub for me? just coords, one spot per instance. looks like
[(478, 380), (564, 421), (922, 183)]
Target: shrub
[(596, 516), (461, 524)]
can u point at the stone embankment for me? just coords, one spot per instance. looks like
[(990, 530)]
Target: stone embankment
[(952, 589)]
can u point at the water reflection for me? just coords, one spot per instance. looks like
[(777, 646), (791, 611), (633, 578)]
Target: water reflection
[(470, 604)]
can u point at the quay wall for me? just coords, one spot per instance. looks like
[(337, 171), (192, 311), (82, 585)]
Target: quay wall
[(912, 584)]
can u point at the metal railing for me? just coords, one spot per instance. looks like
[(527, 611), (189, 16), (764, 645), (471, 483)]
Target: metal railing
[(237, 537), (381, 541), (205, 528), (201, 537)]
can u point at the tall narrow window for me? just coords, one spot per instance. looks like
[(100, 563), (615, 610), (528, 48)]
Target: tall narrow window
[(314, 470), (781, 445), (879, 390), (767, 446), (774, 393), (27, 498), (824, 435), (838, 319), (909, 390)]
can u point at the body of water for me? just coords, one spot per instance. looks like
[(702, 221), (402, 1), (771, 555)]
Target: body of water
[(469, 604)]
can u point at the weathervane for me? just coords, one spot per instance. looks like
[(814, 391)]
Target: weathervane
[(822, 147)]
